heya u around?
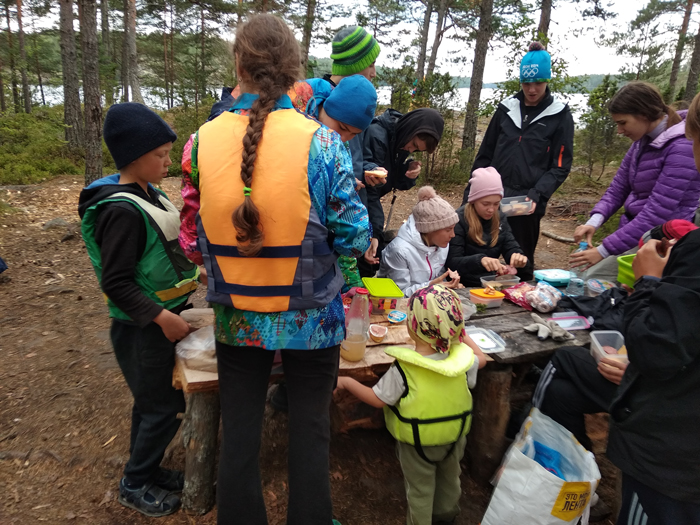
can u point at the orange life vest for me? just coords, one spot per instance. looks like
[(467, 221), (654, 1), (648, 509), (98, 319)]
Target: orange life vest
[(296, 268)]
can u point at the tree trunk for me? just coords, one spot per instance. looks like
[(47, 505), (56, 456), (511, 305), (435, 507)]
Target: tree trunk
[(166, 74), (38, 69), (107, 51), (133, 57), (11, 54), (306, 36), (72, 115), (91, 90), (439, 31), (172, 59), (420, 67), (203, 79), (26, 95), (3, 105), (483, 37), (679, 52), (545, 18), (691, 86), (125, 54)]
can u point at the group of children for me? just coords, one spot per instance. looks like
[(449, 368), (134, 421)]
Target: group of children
[(270, 202)]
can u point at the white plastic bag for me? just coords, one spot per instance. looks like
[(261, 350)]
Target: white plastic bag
[(528, 494), (544, 297), (198, 350)]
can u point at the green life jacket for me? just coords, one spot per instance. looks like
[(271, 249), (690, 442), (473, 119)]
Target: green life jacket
[(436, 406), (163, 273)]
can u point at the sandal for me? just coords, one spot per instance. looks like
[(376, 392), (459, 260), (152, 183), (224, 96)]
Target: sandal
[(171, 480), (150, 499)]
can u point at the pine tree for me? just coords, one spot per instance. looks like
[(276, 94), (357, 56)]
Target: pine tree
[(72, 115), (91, 90)]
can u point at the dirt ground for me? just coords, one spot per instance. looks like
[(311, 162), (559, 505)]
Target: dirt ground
[(65, 408)]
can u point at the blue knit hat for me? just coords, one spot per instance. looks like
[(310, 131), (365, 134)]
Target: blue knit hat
[(352, 102), (536, 65), (132, 130)]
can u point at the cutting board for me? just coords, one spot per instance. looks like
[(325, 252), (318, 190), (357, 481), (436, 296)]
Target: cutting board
[(397, 335)]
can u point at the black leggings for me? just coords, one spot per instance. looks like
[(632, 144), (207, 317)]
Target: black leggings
[(243, 379)]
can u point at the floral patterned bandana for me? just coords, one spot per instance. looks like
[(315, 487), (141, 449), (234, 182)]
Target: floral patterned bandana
[(435, 315)]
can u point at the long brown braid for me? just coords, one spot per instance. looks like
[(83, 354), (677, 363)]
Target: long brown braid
[(268, 54)]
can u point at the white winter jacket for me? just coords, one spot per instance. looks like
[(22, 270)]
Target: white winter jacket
[(409, 262)]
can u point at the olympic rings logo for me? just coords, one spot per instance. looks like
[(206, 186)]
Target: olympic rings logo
[(530, 71)]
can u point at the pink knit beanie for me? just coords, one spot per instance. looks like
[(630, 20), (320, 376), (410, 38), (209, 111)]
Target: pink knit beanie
[(433, 213), (485, 182)]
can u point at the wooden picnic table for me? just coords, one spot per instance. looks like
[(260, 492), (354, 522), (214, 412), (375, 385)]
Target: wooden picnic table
[(491, 411)]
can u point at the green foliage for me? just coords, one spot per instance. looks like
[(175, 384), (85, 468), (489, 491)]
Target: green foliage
[(597, 142), (32, 147)]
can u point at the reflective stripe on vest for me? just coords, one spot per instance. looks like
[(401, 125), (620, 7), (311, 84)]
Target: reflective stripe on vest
[(163, 273), (436, 409), (296, 268)]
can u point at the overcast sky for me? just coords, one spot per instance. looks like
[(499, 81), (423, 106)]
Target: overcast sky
[(583, 54)]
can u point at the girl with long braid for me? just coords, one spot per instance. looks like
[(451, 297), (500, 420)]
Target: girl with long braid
[(277, 205)]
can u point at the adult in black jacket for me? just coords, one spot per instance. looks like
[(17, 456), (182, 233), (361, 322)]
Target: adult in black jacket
[(655, 417), (482, 234), (530, 142), (387, 144)]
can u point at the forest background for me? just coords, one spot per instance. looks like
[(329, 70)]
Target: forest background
[(62, 64)]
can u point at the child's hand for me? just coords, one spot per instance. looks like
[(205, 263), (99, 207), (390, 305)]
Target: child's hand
[(612, 369), (174, 327), (648, 261), (518, 260), (491, 264)]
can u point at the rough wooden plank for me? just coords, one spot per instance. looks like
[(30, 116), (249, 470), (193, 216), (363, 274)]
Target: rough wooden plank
[(200, 437), (190, 381), (397, 335), (523, 347), (491, 412)]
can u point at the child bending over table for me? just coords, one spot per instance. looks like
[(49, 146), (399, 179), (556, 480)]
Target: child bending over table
[(424, 385)]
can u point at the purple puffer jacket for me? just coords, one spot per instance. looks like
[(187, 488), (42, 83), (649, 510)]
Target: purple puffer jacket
[(659, 185)]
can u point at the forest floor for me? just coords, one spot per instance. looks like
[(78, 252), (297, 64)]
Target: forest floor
[(65, 408)]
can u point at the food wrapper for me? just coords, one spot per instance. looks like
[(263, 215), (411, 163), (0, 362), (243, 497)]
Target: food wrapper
[(544, 297), (516, 294)]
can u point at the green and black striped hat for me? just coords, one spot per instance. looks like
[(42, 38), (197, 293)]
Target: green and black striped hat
[(354, 50)]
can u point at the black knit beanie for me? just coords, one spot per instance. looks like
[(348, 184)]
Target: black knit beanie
[(132, 130)]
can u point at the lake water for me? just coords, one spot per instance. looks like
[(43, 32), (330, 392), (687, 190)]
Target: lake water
[(577, 101)]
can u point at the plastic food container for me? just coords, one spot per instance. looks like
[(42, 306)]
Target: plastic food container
[(601, 338), (595, 287), (553, 277), (488, 340), (479, 296), (383, 293), (511, 206), (498, 282), (575, 322), (625, 275), (396, 317), (378, 332)]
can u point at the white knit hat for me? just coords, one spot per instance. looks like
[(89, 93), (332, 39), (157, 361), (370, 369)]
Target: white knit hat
[(433, 213)]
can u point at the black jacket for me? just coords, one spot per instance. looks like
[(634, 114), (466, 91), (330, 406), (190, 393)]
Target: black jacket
[(655, 417), (533, 154), (380, 150), (465, 257)]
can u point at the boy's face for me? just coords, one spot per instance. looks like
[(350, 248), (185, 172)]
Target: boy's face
[(415, 144), (534, 92), (345, 131), (369, 72), (153, 166)]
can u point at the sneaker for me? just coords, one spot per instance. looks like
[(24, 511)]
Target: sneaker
[(150, 499)]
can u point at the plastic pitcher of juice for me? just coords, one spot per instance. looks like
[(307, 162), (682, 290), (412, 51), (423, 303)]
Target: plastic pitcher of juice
[(356, 327)]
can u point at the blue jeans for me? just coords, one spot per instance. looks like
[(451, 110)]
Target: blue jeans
[(310, 376)]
